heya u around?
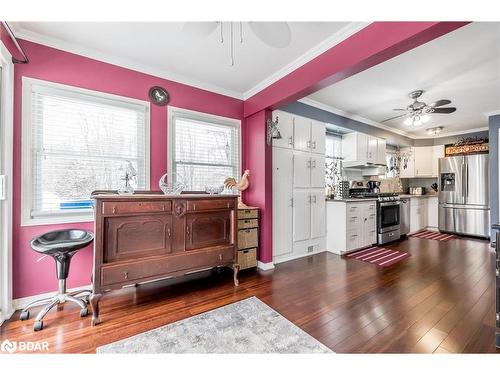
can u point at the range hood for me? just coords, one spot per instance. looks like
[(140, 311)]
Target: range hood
[(360, 164)]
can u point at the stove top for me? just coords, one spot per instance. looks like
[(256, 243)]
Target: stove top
[(383, 197)]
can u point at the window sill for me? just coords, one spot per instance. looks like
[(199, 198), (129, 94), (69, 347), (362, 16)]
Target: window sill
[(54, 219)]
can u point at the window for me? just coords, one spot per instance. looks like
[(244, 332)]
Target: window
[(204, 149), (333, 160), (74, 142)]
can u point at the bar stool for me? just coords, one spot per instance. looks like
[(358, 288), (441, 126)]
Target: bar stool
[(60, 245)]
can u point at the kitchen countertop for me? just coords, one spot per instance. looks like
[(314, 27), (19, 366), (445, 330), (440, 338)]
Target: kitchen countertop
[(352, 200), (417, 196)]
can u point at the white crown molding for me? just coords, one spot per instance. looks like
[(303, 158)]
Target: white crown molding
[(337, 111), (451, 134), (119, 61), (333, 40), (340, 112)]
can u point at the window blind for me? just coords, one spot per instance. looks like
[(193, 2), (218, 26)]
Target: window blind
[(79, 142), (205, 153)]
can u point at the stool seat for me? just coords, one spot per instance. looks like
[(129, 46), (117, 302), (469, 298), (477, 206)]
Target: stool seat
[(59, 241)]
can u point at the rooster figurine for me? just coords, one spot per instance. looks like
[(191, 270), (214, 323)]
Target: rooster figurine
[(242, 185)]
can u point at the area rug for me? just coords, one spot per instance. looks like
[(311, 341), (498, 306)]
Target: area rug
[(430, 235), (379, 255), (247, 326)]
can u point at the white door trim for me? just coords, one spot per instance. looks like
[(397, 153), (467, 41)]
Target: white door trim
[(6, 148)]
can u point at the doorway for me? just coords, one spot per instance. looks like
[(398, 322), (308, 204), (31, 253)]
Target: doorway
[(6, 155)]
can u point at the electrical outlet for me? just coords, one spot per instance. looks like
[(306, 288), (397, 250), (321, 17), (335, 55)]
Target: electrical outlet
[(310, 249)]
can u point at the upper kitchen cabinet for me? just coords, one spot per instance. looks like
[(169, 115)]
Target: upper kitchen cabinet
[(359, 149), (300, 133), (285, 124), (420, 161)]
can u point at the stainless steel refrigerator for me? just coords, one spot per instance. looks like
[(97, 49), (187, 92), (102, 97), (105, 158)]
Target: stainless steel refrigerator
[(464, 196)]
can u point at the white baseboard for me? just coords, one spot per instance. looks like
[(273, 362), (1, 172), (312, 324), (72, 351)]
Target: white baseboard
[(20, 303), (4, 316), (297, 256), (265, 266)]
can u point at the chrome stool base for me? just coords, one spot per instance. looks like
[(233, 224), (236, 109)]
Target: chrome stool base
[(60, 298)]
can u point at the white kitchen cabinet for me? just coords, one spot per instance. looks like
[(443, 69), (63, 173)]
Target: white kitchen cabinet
[(302, 133), (359, 149), (423, 161), (301, 215), (282, 201), (432, 212), (318, 213), (318, 137), (381, 151), (350, 225), (372, 149), (285, 125), (407, 165), (418, 214), (437, 153), (317, 171), (302, 170)]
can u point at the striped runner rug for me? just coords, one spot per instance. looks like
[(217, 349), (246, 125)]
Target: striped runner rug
[(431, 235), (379, 255)]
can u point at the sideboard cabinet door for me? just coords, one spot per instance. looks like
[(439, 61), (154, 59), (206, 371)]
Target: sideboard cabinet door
[(129, 237), (207, 229)]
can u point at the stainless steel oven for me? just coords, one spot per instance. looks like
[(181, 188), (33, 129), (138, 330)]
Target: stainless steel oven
[(388, 220)]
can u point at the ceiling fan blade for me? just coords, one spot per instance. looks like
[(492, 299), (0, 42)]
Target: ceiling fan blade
[(274, 34), (399, 109), (439, 103), (200, 29), (444, 110), (393, 118)]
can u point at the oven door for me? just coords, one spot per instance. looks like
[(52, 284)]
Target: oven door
[(388, 216)]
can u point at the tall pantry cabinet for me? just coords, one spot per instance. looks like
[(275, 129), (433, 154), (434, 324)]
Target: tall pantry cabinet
[(299, 208)]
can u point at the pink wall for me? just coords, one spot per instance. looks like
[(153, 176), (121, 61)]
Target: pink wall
[(32, 277), (259, 194)]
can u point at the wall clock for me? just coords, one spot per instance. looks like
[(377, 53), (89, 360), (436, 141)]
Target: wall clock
[(158, 95)]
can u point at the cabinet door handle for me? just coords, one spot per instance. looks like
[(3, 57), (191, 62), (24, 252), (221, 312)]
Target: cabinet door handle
[(169, 232), (188, 232), (314, 163), (220, 256), (125, 275), (314, 199), (114, 209), (308, 144), (309, 163), (290, 141), (291, 202), (314, 145)]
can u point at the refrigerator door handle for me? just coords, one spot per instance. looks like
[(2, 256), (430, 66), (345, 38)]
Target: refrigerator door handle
[(464, 179)]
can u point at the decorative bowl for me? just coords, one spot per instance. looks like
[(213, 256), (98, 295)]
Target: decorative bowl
[(171, 188), (214, 189)]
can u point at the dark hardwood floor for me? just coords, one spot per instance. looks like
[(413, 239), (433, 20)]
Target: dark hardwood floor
[(440, 300)]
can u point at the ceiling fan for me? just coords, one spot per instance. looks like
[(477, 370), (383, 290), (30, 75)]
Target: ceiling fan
[(417, 113), (273, 34)]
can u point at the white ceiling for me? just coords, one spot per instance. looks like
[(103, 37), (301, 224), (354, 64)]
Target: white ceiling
[(168, 50), (463, 66)]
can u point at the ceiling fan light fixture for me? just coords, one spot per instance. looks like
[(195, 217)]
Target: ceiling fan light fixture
[(425, 118), (408, 121)]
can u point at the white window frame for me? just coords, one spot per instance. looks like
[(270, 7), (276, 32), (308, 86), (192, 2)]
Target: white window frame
[(6, 147), (27, 155), (174, 112)]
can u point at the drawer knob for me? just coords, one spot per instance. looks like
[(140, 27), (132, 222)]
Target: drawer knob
[(114, 209), (220, 256)]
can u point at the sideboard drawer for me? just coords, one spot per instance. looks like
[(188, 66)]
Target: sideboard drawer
[(209, 204), (251, 213), (248, 238), (248, 223), (247, 258), (147, 269), (117, 208)]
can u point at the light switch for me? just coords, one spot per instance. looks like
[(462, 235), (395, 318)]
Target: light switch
[(3, 187)]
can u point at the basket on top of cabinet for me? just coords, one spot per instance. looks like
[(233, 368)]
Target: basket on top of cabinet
[(248, 237)]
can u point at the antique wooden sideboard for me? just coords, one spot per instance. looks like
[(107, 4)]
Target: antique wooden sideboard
[(145, 237)]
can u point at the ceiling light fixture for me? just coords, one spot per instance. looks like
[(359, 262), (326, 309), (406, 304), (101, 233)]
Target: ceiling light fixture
[(417, 118), (435, 131)]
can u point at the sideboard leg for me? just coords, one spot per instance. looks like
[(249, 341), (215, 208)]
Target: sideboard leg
[(94, 302), (236, 268)]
